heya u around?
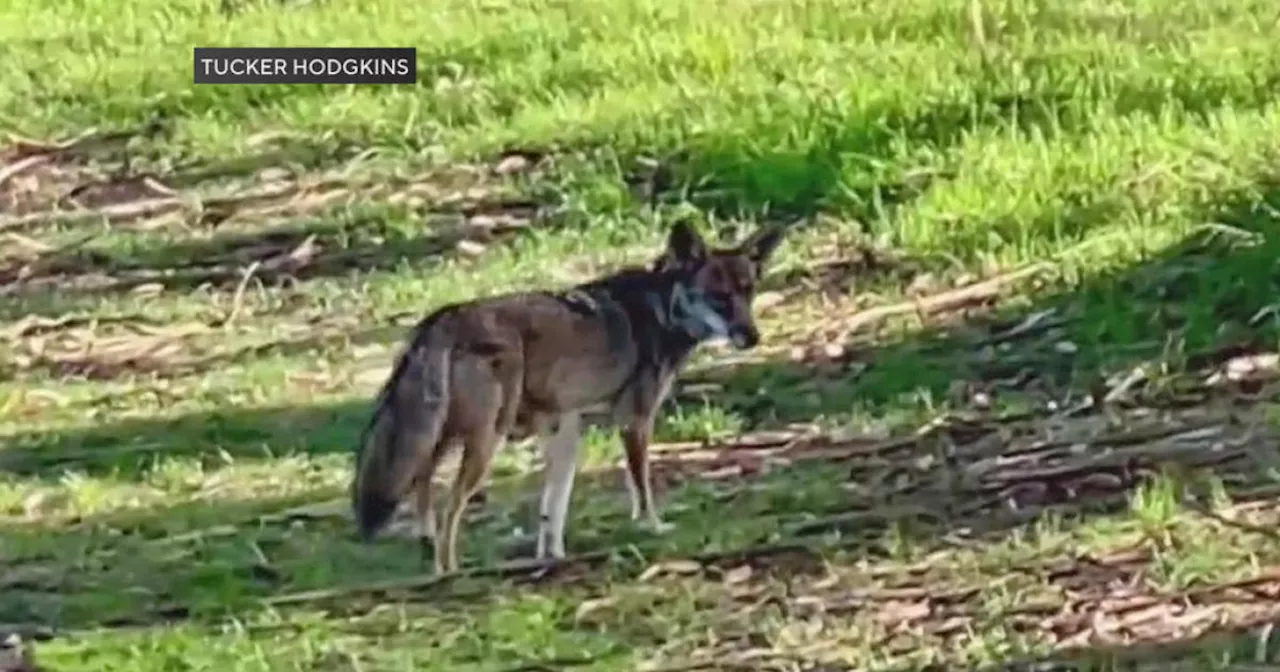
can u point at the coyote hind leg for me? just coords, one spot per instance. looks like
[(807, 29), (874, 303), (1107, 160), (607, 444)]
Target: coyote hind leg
[(424, 524), (478, 448), (488, 417)]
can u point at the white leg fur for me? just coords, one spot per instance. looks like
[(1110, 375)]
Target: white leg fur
[(560, 450)]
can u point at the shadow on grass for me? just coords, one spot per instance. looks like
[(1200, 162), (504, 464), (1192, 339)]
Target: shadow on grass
[(276, 257), (298, 229), (279, 255), (1201, 295), (1194, 306), (129, 449), (155, 567)]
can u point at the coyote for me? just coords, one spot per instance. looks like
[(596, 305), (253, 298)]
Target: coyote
[(534, 363)]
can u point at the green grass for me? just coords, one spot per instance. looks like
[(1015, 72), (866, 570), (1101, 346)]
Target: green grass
[(174, 386)]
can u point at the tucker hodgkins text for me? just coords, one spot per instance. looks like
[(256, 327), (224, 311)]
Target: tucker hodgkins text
[(305, 65)]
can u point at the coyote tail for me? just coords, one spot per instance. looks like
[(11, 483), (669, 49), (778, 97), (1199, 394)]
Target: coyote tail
[(405, 427)]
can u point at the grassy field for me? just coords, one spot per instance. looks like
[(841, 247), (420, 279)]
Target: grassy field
[(1015, 399)]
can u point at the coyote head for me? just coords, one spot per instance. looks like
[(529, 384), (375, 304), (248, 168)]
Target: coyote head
[(711, 296)]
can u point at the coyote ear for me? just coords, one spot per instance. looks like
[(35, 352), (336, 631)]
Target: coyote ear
[(685, 245), (761, 245)]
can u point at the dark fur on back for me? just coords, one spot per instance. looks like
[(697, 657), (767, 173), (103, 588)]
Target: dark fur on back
[(631, 289)]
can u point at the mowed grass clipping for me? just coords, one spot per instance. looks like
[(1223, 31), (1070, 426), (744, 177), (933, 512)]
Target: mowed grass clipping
[(148, 504)]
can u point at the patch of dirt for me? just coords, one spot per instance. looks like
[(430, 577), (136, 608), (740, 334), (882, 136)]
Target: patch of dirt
[(960, 480), (1089, 603), (38, 176)]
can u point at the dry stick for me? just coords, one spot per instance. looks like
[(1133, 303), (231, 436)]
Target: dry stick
[(521, 568), (925, 306), (1116, 458), (88, 138), (18, 167), (237, 299), (1036, 323), (30, 243), (936, 303), (51, 255), (150, 207), (1202, 509), (945, 300), (35, 324), (131, 210)]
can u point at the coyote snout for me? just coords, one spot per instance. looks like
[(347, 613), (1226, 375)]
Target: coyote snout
[(476, 372)]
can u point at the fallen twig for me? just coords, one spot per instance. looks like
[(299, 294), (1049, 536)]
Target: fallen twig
[(238, 297), (929, 305), (20, 166)]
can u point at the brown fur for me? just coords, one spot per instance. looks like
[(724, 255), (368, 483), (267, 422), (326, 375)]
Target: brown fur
[(535, 362)]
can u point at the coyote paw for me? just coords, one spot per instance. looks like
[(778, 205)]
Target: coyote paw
[(549, 548), (549, 556)]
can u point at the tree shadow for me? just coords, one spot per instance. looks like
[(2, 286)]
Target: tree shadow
[(1196, 304), (128, 449), (287, 225), (139, 360), (274, 256), (161, 564)]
